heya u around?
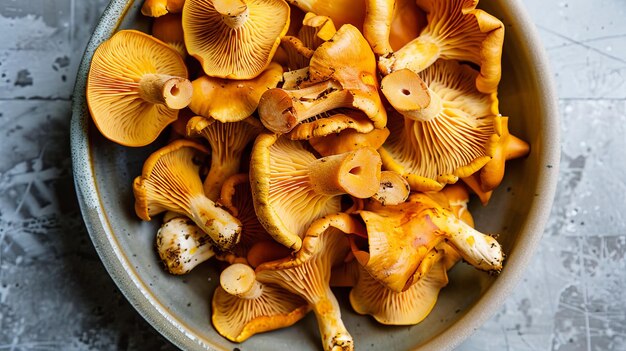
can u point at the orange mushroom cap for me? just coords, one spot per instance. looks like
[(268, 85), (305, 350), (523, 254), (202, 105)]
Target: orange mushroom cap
[(234, 39), (340, 11), (158, 8), (400, 238), (242, 306), (169, 29), (135, 87), (501, 147), (232, 100), (400, 308)]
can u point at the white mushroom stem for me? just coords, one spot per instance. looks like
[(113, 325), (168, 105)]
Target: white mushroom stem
[(480, 250), (239, 280), (410, 96), (182, 245), (221, 226), (173, 92), (356, 173), (234, 12)]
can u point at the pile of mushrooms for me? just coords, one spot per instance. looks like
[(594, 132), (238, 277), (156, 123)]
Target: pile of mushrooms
[(312, 144)]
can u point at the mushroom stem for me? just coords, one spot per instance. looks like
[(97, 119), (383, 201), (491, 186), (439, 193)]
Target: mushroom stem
[(282, 110), (417, 55), (356, 173), (239, 280), (410, 96), (221, 226), (173, 92), (480, 250), (234, 12), (335, 336), (393, 190)]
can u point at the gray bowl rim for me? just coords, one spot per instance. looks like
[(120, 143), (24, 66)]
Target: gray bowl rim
[(137, 291)]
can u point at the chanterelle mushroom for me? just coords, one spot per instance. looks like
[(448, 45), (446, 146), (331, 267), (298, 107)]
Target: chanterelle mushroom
[(227, 141), (135, 87), (308, 275), (400, 237), (232, 100), (158, 8), (400, 308), (170, 181), (445, 127), (456, 30), (242, 306), (342, 74), (234, 39), (182, 245), (291, 187)]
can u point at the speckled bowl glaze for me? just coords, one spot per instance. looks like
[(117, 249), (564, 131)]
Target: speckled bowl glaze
[(179, 307)]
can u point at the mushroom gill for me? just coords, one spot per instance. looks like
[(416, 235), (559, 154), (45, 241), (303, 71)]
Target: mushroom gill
[(242, 306), (135, 87), (291, 187), (234, 39), (170, 181), (444, 126)]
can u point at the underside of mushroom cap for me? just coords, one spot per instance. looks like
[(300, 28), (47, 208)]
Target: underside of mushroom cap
[(170, 181), (284, 200), (308, 275), (399, 308), (239, 50), (268, 308), (121, 69), (456, 30), (452, 143), (227, 141), (178, 162), (230, 101), (398, 239)]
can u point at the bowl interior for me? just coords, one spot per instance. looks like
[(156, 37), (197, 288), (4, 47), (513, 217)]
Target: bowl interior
[(180, 306)]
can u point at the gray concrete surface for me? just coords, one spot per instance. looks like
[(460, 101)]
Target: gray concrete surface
[(56, 295)]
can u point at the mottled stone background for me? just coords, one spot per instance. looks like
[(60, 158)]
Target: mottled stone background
[(56, 295)]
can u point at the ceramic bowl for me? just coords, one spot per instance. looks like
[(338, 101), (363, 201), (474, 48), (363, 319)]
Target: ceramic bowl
[(179, 307)]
